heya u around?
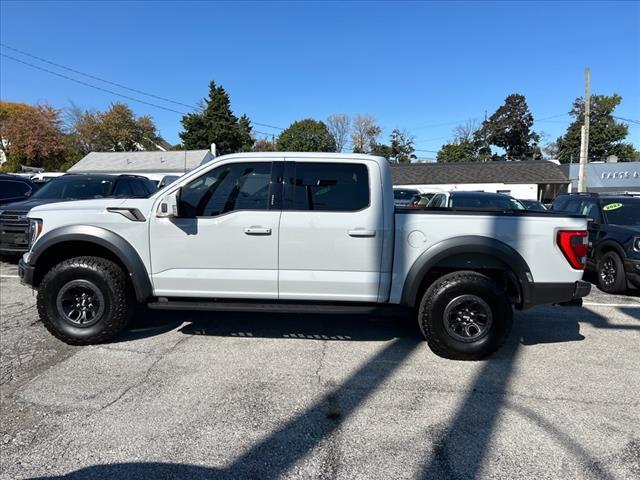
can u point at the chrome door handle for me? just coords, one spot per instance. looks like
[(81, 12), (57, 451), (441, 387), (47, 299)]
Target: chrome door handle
[(361, 232), (257, 231)]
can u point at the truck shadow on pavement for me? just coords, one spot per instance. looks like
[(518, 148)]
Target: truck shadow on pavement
[(456, 450)]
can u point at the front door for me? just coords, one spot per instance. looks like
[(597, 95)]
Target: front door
[(224, 242), (331, 231)]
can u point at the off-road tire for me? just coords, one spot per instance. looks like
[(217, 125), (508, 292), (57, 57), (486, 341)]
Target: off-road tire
[(619, 285), (109, 278), (450, 287)]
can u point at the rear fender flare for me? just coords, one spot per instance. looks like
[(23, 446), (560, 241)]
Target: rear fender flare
[(468, 253)]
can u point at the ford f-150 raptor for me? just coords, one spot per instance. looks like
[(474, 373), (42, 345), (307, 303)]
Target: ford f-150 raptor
[(299, 231)]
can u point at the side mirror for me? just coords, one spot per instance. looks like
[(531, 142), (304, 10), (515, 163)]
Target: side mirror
[(168, 207)]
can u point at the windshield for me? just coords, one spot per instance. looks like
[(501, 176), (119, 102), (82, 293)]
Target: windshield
[(624, 211), (534, 205), (404, 194), (75, 188)]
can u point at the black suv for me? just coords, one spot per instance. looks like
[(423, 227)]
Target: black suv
[(14, 188), (614, 236), (14, 225)]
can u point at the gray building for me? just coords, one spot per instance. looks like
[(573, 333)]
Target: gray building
[(606, 177), (153, 165)]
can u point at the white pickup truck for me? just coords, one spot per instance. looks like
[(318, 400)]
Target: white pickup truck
[(298, 231)]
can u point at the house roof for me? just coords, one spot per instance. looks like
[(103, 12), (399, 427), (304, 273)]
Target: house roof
[(538, 171), (141, 162)]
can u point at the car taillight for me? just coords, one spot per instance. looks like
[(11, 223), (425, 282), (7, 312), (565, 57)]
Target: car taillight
[(574, 246)]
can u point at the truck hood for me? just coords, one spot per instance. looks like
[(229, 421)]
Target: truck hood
[(624, 229), (99, 204), (26, 205)]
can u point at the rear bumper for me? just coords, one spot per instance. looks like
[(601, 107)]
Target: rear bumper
[(549, 293), (25, 272)]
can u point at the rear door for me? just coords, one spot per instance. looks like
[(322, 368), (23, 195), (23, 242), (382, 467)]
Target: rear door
[(331, 231)]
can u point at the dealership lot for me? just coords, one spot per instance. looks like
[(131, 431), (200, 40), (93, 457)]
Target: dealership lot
[(309, 396)]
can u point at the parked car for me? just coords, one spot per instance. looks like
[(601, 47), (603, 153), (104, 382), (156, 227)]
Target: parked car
[(534, 205), (14, 188), (614, 236), (250, 232), (14, 224), (421, 200), (166, 180), (475, 201), (402, 197), (44, 177)]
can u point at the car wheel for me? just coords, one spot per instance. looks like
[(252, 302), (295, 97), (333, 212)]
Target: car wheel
[(611, 276), (465, 316), (85, 300)]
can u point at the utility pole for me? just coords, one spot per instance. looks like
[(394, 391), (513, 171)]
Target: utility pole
[(584, 139)]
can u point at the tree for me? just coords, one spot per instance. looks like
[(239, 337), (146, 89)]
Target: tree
[(459, 151), (402, 150), (365, 133), (246, 135), (117, 129), (339, 126), (510, 129), (382, 150), (468, 145), (606, 135), (306, 135), (31, 135), (216, 123), (264, 145)]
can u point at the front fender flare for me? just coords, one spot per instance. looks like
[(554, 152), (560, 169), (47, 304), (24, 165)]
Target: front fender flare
[(106, 239)]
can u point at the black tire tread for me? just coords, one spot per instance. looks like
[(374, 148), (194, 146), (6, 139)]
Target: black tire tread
[(120, 310), (430, 296), (620, 285)]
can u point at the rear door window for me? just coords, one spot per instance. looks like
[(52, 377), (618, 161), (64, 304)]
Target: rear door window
[(333, 187)]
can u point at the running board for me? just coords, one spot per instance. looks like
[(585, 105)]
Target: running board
[(275, 307)]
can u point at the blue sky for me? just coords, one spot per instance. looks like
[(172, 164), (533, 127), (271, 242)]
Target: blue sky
[(421, 66)]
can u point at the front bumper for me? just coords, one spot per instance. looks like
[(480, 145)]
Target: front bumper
[(25, 272), (550, 293)]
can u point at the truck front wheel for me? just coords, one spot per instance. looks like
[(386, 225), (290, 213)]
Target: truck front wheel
[(465, 316), (85, 300)]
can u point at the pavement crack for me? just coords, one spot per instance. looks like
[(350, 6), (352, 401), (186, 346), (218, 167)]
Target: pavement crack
[(147, 374), (323, 355)]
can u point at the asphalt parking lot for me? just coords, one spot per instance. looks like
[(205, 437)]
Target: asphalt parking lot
[(308, 396)]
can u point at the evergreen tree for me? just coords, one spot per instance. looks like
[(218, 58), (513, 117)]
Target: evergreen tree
[(216, 123), (606, 135), (510, 129)]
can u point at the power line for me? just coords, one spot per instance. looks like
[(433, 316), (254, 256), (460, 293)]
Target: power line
[(92, 86), (119, 85), (110, 83), (630, 120)]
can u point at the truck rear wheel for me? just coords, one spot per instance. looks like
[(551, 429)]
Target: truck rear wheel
[(85, 300), (465, 316)]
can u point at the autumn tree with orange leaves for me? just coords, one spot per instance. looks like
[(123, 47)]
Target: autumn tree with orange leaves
[(31, 135)]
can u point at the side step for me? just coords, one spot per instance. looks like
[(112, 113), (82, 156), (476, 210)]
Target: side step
[(275, 307)]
